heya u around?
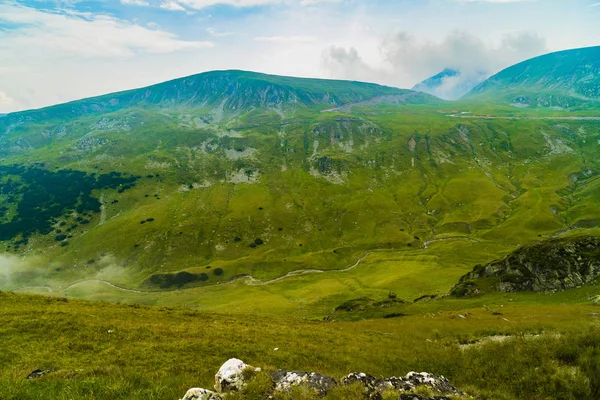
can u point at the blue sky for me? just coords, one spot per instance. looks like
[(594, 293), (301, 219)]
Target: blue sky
[(53, 51)]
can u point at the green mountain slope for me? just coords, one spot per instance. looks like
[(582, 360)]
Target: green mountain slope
[(222, 193), (225, 91), (565, 79)]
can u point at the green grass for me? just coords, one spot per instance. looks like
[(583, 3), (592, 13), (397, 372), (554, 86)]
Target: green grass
[(111, 351)]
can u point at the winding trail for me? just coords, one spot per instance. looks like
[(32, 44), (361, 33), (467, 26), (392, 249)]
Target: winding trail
[(106, 283), (248, 279), (467, 116), (251, 281)]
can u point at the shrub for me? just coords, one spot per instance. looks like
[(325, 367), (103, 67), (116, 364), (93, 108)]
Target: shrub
[(218, 271)]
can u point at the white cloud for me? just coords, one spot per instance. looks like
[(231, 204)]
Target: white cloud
[(200, 4), (406, 60), (83, 34), (171, 6), (286, 39), (142, 3), (594, 5), (493, 1), (7, 103), (214, 32)]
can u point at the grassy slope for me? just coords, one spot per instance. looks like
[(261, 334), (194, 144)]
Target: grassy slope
[(471, 190), (110, 351)]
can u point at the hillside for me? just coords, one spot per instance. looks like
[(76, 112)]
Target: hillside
[(185, 191), (567, 79)]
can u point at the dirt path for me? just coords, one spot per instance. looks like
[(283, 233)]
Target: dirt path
[(466, 116), (106, 283), (251, 281)]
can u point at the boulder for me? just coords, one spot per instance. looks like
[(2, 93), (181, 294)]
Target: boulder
[(285, 380), (374, 388), (369, 382), (201, 394), (436, 383), (231, 375)]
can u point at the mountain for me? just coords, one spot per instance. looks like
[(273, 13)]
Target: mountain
[(565, 79), (226, 91), (450, 84), (248, 191)]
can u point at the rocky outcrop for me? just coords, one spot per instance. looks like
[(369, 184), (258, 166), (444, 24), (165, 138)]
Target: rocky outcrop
[(234, 376), (285, 380), (374, 388), (553, 265)]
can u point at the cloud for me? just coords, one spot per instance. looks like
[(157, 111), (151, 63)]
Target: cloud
[(82, 34), (347, 63), (7, 103), (214, 32), (142, 3), (493, 1), (200, 4), (594, 5), (406, 60), (171, 6), (286, 39)]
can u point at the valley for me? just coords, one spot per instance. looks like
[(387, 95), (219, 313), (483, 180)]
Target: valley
[(328, 212)]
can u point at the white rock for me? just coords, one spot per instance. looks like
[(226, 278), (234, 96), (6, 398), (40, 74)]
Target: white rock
[(201, 394), (230, 375)]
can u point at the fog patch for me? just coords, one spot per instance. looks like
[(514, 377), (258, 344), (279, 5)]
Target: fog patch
[(16, 272)]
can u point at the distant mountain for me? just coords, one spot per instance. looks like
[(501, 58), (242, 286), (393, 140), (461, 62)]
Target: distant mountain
[(229, 92), (450, 84), (564, 79)]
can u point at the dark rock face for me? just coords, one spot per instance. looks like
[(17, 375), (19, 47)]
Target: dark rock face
[(553, 265), (284, 380)]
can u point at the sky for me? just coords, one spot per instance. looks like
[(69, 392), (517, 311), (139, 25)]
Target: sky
[(53, 51)]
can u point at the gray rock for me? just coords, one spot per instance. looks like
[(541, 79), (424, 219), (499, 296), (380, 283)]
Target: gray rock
[(201, 394), (285, 380), (369, 382), (38, 373), (593, 315)]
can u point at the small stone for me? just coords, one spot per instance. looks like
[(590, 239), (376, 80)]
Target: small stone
[(38, 373), (201, 394), (593, 315)]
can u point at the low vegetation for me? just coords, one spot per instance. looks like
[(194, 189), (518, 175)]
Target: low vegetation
[(111, 351)]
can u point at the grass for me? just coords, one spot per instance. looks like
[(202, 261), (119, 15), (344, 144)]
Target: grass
[(112, 351)]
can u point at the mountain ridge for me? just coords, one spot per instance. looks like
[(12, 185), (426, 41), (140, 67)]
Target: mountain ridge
[(560, 79), (230, 90)]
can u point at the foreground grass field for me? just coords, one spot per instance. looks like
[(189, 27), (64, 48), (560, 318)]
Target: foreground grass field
[(100, 350)]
